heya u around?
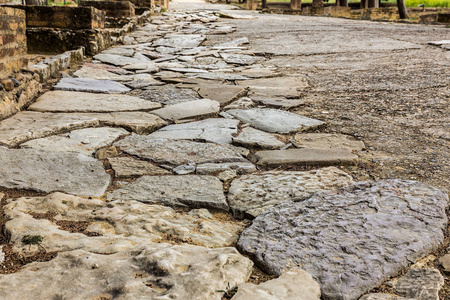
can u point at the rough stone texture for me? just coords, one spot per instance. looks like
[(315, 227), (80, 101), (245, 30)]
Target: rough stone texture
[(114, 226), (212, 130), (296, 284), (444, 261), (242, 103), (187, 110), (250, 137), (169, 94), (90, 85), (192, 191), (151, 272), (250, 195), (221, 93), (240, 59), (239, 167), (278, 102), (130, 167), (118, 60), (85, 141), (28, 125), (272, 120), (177, 152), (351, 239), (305, 157), (101, 74), (289, 87), (63, 101), (180, 40), (326, 141), (47, 171), (143, 83)]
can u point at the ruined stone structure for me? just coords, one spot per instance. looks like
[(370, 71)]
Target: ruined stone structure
[(116, 9)]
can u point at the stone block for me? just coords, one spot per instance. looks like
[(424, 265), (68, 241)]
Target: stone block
[(116, 9), (65, 17)]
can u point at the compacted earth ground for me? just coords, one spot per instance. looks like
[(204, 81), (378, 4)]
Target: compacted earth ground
[(223, 154)]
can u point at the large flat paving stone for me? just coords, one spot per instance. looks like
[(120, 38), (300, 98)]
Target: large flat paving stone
[(169, 94), (48, 171), (221, 93), (289, 87), (250, 195), (214, 130), (273, 120), (188, 110), (118, 60), (177, 152), (28, 125), (64, 101), (191, 191), (240, 59), (326, 141), (130, 167), (91, 86), (250, 137), (150, 272), (85, 141), (305, 157), (180, 40), (351, 239)]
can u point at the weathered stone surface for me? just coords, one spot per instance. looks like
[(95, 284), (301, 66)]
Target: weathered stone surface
[(100, 74), (180, 40), (187, 110), (47, 171), (143, 83), (278, 102), (193, 191), (240, 59), (305, 157), (150, 272), (119, 51), (250, 195), (130, 167), (272, 120), (117, 60), (234, 43), (296, 284), (177, 152), (90, 85), (223, 94), (85, 141), (289, 87), (326, 141), (169, 94), (221, 76), (113, 226), (214, 130), (28, 125), (242, 103), (444, 261), (239, 167), (64, 101), (250, 137), (351, 239)]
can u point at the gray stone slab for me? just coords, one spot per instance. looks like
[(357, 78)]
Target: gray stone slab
[(28, 125), (180, 40), (326, 141), (289, 87), (276, 121), (221, 93), (100, 74), (214, 130), (305, 157), (250, 195), (188, 110), (235, 43), (119, 51), (85, 141), (192, 191), (278, 102), (169, 94), (221, 76), (352, 239), (64, 101), (130, 167), (48, 171), (117, 60), (250, 137), (439, 43), (90, 85), (176, 152), (185, 70), (238, 167), (242, 103), (240, 59), (143, 83)]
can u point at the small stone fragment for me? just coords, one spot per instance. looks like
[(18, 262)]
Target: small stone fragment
[(242, 103), (7, 84), (239, 167), (107, 152), (250, 137), (130, 167)]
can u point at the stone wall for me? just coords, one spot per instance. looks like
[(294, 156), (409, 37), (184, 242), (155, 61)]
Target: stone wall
[(13, 41), (116, 9), (65, 17)]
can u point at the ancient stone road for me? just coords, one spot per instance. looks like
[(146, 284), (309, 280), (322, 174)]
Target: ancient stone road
[(166, 168)]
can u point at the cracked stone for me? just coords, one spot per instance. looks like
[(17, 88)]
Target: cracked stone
[(130, 167), (90, 85)]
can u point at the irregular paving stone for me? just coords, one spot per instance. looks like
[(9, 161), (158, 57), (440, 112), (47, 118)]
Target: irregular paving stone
[(214, 130), (351, 239), (240, 59), (221, 93), (185, 70), (169, 94), (148, 67), (177, 152), (305, 157), (119, 51), (296, 284), (234, 43), (150, 272), (187, 110), (85, 141), (180, 40), (143, 83), (192, 191), (110, 227), (239, 167), (47, 171), (272, 120), (278, 102), (90, 85), (250, 195), (242, 103), (221, 76), (289, 87), (258, 73), (117, 60), (130, 167), (326, 140), (250, 137), (28, 125), (444, 261), (63, 101), (100, 74)]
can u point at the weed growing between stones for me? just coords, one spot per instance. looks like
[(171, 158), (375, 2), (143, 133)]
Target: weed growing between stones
[(229, 292)]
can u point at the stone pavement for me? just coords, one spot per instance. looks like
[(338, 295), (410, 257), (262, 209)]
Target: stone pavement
[(152, 165)]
